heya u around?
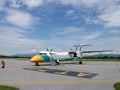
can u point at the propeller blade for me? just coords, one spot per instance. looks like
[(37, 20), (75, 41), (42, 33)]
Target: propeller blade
[(71, 49), (51, 50), (47, 49)]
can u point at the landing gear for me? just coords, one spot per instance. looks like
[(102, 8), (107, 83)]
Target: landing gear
[(80, 61), (36, 64), (57, 62)]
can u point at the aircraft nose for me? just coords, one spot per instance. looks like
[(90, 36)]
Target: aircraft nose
[(37, 58)]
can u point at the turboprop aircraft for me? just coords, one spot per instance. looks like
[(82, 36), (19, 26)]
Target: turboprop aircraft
[(55, 57)]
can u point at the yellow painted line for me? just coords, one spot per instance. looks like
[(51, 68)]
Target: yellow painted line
[(42, 70), (56, 82), (61, 73), (82, 74)]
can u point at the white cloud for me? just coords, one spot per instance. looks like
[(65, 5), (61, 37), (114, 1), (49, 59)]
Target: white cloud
[(1, 5), (115, 31), (21, 19), (14, 40), (71, 2), (111, 19), (70, 12), (15, 3), (107, 12), (98, 43), (69, 30), (88, 3), (89, 20), (19, 3), (93, 35), (111, 43), (33, 3), (91, 3)]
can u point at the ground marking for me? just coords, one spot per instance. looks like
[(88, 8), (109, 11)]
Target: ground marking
[(56, 82)]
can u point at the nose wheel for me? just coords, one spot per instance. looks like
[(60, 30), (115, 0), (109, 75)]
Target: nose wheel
[(36, 64), (57, 62)]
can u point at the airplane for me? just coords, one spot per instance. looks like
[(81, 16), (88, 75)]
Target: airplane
[(74, 54)]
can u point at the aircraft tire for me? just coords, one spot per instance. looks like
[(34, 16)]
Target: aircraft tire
[(80, 62), (36, 64)]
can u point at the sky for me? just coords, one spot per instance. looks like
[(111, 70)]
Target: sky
[(27, 25)]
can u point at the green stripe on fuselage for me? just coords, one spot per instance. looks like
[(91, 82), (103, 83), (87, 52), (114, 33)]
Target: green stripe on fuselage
[(64, 59), (46, 58)]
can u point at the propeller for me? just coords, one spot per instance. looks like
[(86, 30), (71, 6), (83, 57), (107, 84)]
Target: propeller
[(49, 50)]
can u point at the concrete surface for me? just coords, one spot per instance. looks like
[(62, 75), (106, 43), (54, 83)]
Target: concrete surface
[(107, 73)]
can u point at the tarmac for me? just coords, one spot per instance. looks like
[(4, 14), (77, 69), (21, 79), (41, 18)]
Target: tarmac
[(67, 76)]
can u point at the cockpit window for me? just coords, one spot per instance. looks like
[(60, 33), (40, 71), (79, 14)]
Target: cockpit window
[(42, 53)]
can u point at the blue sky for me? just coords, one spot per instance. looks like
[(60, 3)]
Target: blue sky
[(27, 25)]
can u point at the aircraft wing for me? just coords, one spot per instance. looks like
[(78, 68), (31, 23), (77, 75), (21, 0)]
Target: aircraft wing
[(97, 51)]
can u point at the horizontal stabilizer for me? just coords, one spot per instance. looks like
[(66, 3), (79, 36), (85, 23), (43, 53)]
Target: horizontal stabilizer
[(97, 51)]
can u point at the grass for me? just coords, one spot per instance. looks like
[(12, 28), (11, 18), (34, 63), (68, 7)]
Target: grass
[(8, 88), (24, 59), (117, 86), (104, 60)]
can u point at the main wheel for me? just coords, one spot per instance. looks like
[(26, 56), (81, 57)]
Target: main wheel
[(80, 62)]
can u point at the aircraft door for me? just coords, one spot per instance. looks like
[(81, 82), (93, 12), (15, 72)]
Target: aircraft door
[(75, 54), (72, 54)]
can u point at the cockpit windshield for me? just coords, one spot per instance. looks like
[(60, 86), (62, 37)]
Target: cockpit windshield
[(42, 53)]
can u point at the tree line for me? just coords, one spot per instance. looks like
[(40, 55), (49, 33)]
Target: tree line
[(3, 56)]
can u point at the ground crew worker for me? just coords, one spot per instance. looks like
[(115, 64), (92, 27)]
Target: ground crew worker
[(3, 64)]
